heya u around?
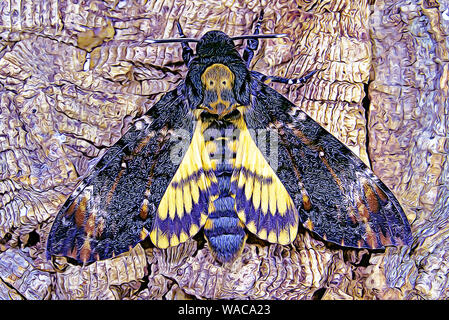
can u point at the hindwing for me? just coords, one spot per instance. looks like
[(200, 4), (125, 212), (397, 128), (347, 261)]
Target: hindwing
[(261, 201), (184, 208)]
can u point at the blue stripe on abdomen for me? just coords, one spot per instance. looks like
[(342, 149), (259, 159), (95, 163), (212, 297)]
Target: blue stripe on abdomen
[(226, 236)]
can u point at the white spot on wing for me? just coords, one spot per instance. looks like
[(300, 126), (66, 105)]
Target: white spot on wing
[(302, 116), (139, 125)]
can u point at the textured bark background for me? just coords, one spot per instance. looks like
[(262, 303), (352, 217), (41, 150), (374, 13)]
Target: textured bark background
[(73, 74)]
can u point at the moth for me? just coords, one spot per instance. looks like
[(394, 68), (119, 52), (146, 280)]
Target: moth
[(198, 159)]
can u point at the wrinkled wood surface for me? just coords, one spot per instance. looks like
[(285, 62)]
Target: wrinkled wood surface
[(73, 74)]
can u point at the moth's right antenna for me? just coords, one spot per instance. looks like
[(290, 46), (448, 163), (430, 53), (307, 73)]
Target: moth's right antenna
[(252, 40), (261, 36)]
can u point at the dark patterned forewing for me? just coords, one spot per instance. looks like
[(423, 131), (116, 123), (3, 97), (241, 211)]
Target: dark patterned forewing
[(113, 208), (337, 196)]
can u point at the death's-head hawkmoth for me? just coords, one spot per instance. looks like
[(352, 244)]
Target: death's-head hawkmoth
[(199, 159)]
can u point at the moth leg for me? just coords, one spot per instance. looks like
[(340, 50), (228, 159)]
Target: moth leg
[(187, 52), (268, 79), (252, 44)]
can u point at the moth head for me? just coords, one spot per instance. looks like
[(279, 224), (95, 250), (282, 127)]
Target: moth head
[(215, 43), (217, 48)]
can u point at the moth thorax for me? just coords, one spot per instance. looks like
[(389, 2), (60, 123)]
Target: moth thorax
[(218, 84)]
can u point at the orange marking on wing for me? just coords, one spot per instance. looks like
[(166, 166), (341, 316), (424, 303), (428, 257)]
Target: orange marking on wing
[(384, 240), (309, 224), (302, 137), (363, 211), (371, 237), (114, 186), (142, 144), (352, 214), (360, 243), (305, 197), (72, 253), (85, 250), (306, 201), (332, 172), (100, 227), (90, 225), (371, 199), (144, 210), (71, 208), (319, 149), (80, 211), (380, 193)]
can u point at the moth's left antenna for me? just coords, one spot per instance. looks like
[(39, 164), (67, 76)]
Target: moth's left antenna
[(261, 36), (181, 33), (187, 52), (184, 40)]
